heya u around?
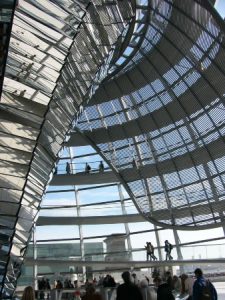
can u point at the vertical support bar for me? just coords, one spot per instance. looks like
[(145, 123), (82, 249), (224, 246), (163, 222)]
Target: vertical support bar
[(125, 224), (77, 202), (179, 253), (35, 281), (158, 242)]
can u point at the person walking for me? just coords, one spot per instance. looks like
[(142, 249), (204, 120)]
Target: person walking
[(87, 168), (168, 248), (150, 251), (101, 167), (68, 169)]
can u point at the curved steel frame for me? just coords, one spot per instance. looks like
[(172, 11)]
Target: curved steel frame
[(49, 45), (195, 62)]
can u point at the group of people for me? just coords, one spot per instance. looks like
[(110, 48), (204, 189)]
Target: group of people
[(44, 284), (167, 287), (150, 251), (101, 167), (199, 288), (87, 169)]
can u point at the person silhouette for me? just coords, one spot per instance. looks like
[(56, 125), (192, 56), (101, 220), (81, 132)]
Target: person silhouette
[(150, 251), (168, 248), (128, 290), (101, 167), (68, 169), (87, 168)]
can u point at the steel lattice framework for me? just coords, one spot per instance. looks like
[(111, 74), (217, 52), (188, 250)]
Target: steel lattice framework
[(55, 49), (159, 120), (151, 77)]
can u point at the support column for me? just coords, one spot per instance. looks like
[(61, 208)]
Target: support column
[(77, 202), (158, 242), (179, 253), (126, 224), (35, 280)]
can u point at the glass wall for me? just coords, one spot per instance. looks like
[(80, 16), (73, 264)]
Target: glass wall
[(101, 223)]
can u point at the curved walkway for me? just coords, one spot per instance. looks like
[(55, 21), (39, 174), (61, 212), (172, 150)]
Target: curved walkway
[(164, 214), (123, 264)]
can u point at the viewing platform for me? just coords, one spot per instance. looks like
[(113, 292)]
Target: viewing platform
[(125, 264)]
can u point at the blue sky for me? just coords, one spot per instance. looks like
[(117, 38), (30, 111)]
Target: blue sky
[(220, 6)]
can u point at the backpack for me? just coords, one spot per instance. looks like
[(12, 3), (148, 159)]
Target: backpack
[(207, 291)]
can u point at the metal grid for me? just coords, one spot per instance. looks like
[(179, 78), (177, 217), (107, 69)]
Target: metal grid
[(43, 88), (164, 112)]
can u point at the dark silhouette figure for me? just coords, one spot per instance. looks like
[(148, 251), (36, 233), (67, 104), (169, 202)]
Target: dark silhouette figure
[(48, 286), (128, 290), (155, 273), (59, 285), (101, 167), (68, 169), (169, 279), (87, 168), (109, 281), (56, 171), (43, 284), (70, 285), (168, 248), (164, 291)]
